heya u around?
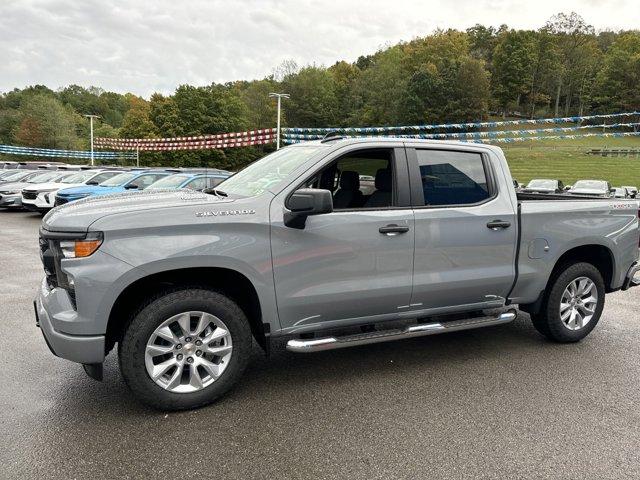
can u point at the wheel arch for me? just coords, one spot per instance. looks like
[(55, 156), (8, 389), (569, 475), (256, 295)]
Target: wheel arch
[(600, 256), (231, 282)]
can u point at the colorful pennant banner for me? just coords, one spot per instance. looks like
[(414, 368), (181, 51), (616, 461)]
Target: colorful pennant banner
[(494, 140), (201, 141), (50, 152), (459, 126), (494, 134)]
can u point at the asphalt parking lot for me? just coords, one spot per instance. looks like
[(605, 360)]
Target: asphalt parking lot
[(495, 403)]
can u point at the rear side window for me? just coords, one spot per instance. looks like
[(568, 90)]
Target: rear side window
[(452, 178), (143, 181), (214, 182), (103, 176), (199, 183)]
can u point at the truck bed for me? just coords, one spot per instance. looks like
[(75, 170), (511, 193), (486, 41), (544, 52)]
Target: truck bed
[(551, 225)]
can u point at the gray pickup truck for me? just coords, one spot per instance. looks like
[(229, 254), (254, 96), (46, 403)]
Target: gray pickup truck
[(292, 247)]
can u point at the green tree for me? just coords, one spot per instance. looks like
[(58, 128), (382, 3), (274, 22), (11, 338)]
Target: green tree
[(619, 80), (9, 121), (345, 75), (136, 122), (578, 48), (546, 67), (45, 122), (313, 101), (261, 110), (513, 61), (446, 83), (380, 90)]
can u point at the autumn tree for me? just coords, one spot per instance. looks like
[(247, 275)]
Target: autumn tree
[(45, 122)]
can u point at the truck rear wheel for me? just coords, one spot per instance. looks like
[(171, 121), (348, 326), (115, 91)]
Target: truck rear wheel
[(573, 304), (185, 349)]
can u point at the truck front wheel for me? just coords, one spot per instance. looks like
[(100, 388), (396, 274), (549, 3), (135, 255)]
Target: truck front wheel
[(185, 349), (572, 305)]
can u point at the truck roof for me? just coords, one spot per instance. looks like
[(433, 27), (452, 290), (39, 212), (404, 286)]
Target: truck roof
[(342, 141)]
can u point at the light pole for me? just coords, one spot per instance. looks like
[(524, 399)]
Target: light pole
[(91, 117), (279, 96)]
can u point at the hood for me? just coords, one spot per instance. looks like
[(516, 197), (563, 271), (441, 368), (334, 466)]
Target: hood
[(16, 186), (85, 190), (39, 187), (79, 215)]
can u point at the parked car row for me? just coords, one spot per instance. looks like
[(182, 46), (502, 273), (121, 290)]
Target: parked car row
[(585, 188), (42, 189), (36, 165)]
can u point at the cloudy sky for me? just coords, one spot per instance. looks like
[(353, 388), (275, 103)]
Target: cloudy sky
[(145, 46)]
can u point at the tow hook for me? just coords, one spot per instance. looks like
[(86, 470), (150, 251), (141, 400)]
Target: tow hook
[(94, 370)]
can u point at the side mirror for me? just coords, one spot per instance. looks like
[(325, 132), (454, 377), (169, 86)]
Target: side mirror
[(93, 182), (567, 187), (131, 186), (305, 202)]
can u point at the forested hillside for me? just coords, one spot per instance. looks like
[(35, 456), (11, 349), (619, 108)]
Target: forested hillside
[(564, 68)]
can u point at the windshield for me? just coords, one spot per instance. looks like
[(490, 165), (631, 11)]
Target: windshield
[(591, 184), (16, 176), (172, 181), (118, 180), (542, 184), (78, 177), (45, 177), (267, 172)]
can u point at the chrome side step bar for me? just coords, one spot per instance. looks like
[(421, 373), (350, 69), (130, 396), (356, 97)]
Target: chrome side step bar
[(419, 330)]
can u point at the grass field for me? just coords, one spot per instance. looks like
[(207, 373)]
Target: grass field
[(568, 161)]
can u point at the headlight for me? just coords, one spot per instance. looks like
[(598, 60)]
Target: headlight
[(82, 247), (10, 192)]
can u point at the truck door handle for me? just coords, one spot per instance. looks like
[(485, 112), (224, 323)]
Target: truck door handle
[(393, 229), (496, 224)]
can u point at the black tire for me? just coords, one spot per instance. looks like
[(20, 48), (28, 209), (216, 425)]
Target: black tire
[(131, 350), (548, 321)]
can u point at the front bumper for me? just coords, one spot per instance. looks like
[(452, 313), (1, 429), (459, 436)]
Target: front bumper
[(632, 278), (42, 203), (58, 200), (86, 349), (11, 201)]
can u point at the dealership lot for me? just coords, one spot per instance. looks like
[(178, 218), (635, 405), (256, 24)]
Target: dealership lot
[(493, 403)]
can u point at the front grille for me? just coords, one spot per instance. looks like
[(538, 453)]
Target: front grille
[(48, 262), (51, 256), (29, 194)]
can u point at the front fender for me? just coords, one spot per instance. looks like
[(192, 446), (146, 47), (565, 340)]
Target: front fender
[(241, 247)]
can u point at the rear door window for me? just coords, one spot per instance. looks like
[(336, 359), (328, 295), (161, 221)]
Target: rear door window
[(452, 178)]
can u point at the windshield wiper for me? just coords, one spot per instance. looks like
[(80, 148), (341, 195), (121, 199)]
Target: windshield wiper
[(217, 193)]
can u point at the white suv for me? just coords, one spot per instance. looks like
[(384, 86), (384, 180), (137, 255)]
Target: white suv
[(41, 197)]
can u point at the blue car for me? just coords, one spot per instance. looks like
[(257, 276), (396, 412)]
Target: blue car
[(191, 180), (135, 180)]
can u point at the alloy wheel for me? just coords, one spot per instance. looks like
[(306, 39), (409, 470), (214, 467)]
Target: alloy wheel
[(188, 352), (578, 303)]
